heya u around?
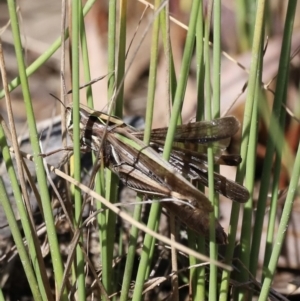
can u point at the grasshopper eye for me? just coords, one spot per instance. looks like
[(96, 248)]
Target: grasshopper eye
[(69, 118)]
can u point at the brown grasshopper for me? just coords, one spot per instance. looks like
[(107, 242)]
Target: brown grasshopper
[(142, 168)]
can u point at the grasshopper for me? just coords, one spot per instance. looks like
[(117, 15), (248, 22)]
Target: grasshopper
[(142, 168)]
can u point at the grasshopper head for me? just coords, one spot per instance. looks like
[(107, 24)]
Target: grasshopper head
[(83, 119), (89, 126)]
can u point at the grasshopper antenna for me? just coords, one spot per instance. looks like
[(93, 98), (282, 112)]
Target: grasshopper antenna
[(64, 88), (92, 81), (55, 97)]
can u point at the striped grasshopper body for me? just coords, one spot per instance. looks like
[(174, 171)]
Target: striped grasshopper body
[(142, 168)]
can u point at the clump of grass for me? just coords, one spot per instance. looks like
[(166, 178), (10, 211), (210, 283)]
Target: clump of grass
[(137, 273)]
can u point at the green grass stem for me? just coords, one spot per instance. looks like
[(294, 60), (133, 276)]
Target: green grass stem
[(212, 291), (246, 231), (277, 110), (198, 276), (30, 235), (182, 81), (13, 225), (41, 176), (269, 271), (257, 40), (274, 199), (200, 65), (76, 33), (21, 198), (104, 180), (111, 180), (149, 115)]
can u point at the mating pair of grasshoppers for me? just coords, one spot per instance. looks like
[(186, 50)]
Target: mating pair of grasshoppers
[(142, 168)]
